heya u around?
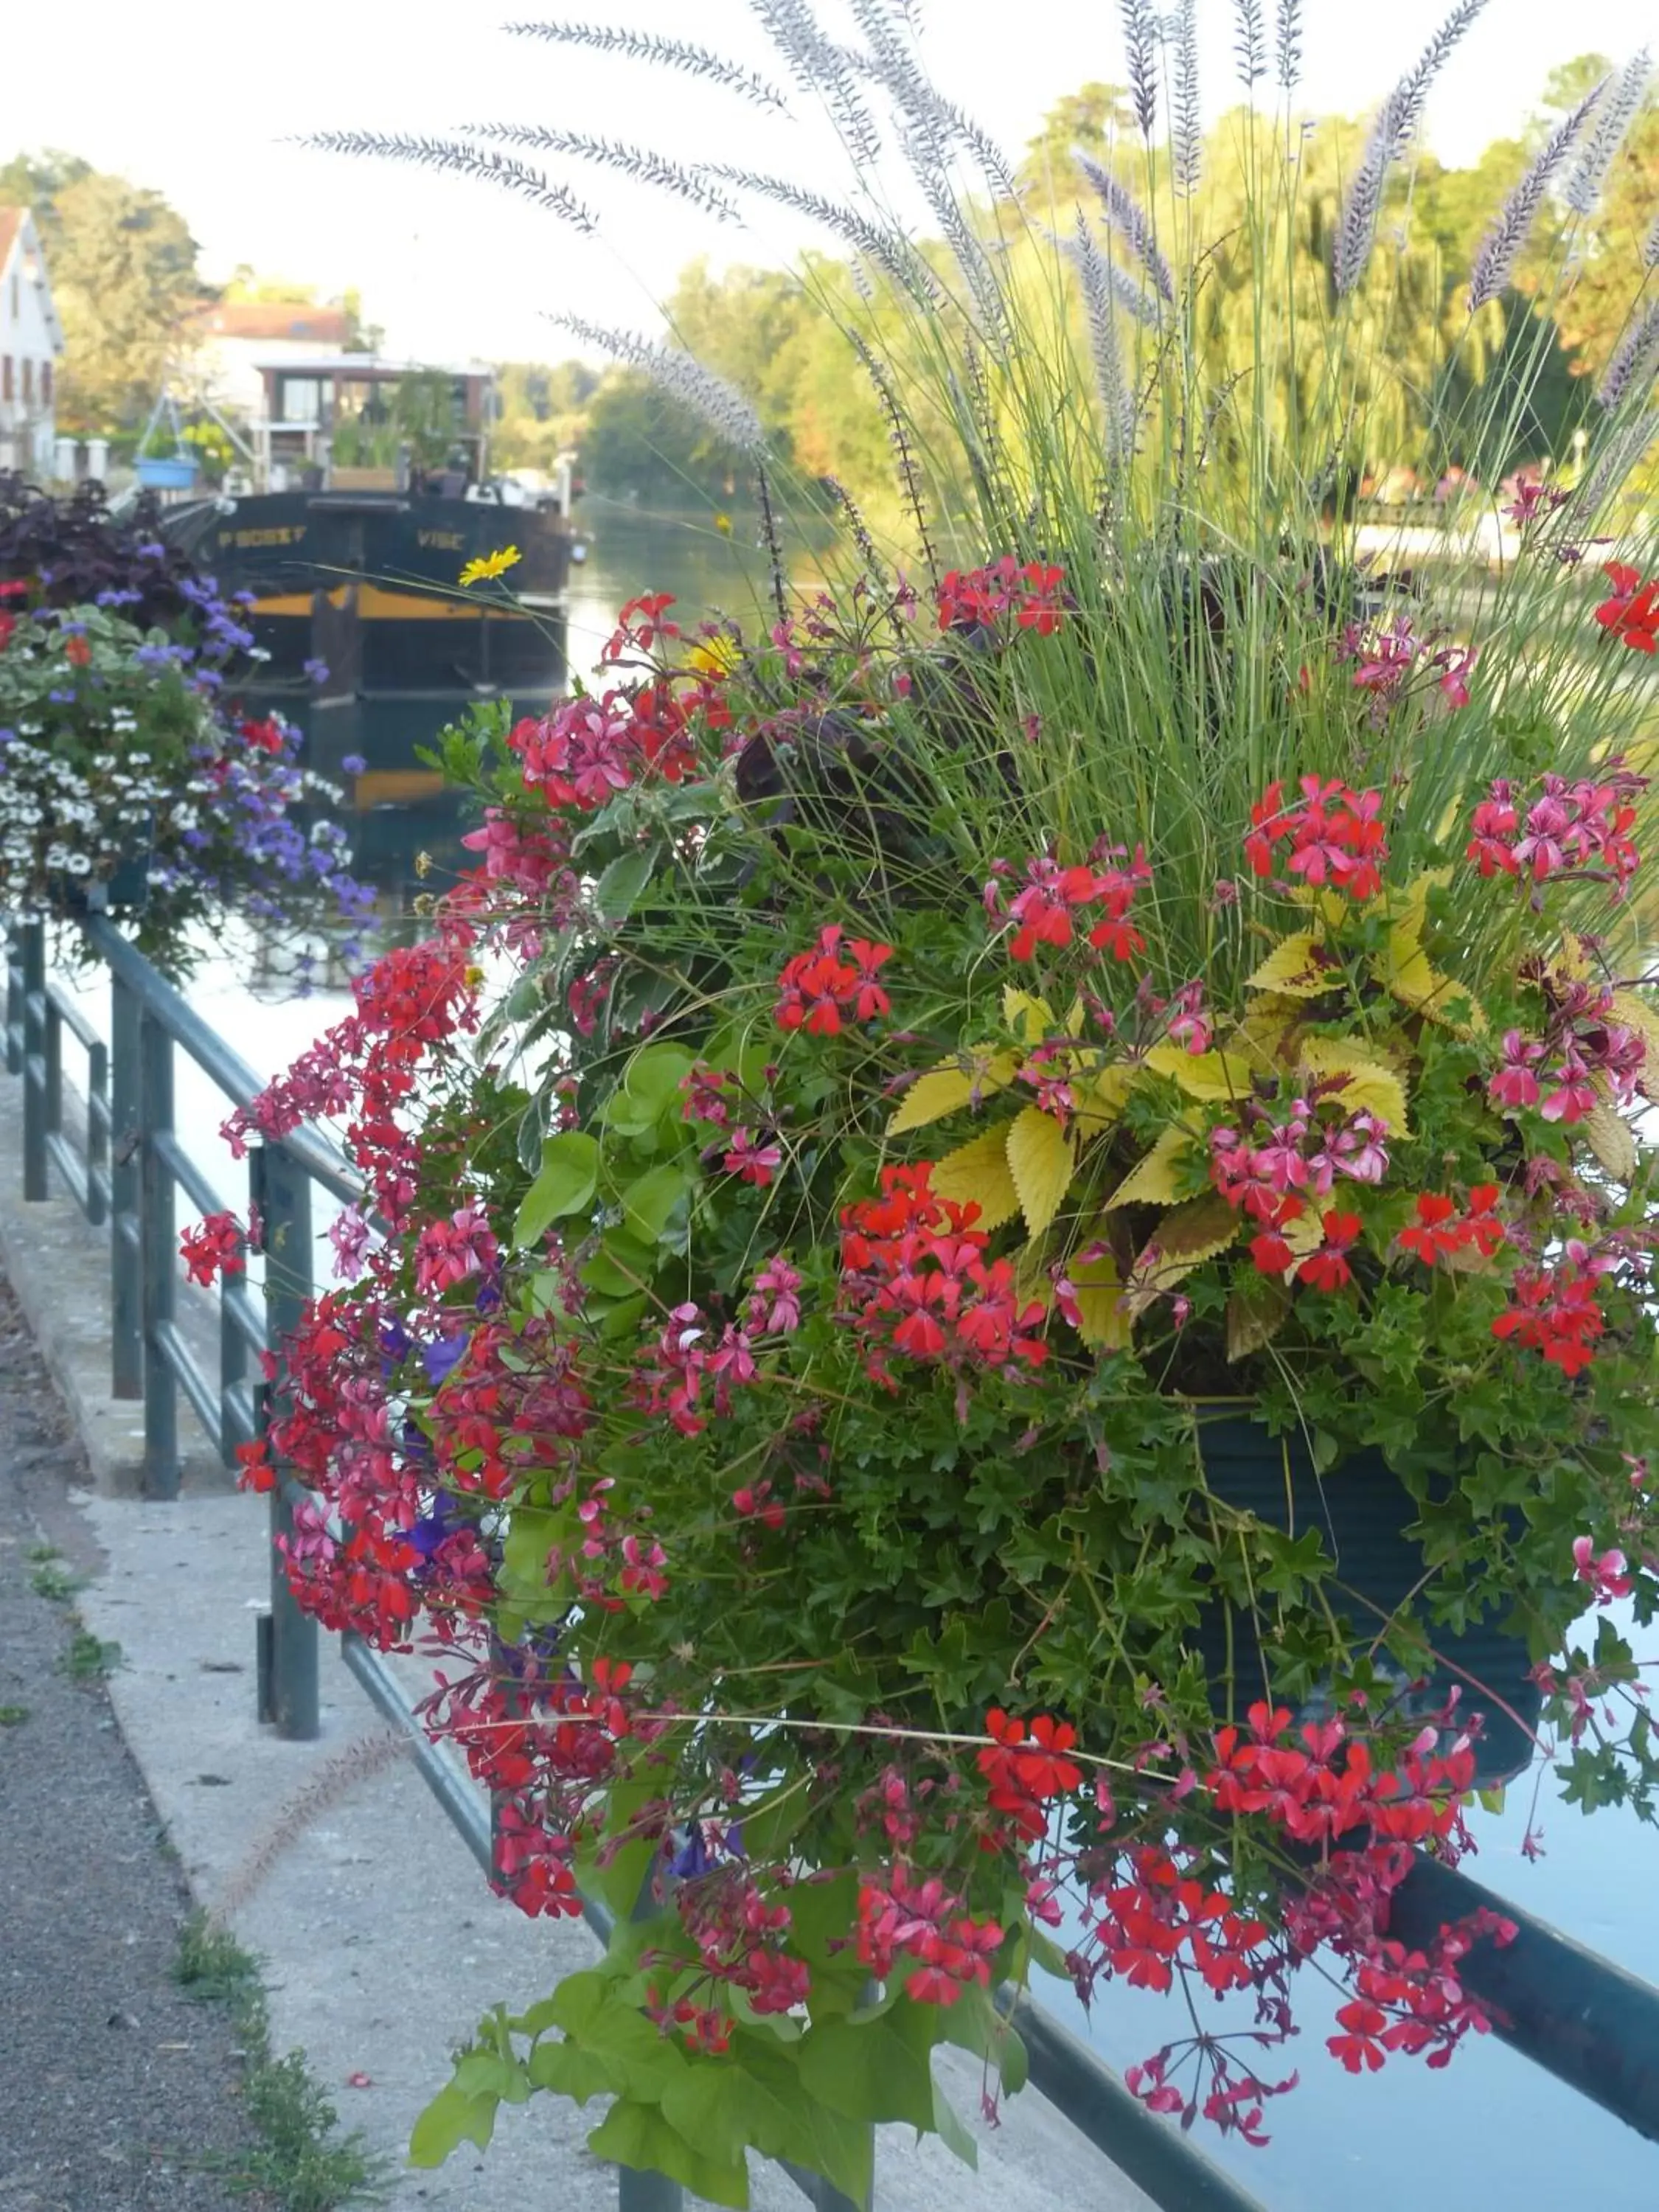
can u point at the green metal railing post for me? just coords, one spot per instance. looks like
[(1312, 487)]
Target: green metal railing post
[(282, 1190), (126, 1288), (14, 1002), (158, 1259), (97, 1134), (34, 1061)]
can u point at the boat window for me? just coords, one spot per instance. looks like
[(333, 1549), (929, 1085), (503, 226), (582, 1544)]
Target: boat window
[(302, 398)]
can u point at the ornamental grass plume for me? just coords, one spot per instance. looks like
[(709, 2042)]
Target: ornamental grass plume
[(1050, 1078)]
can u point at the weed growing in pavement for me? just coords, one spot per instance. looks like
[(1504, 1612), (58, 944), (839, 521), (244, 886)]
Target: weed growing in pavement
[(13, 1715), (51, 1575), (299, 2159), (89, 1658)]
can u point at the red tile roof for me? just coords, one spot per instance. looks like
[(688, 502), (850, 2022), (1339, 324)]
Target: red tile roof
[(274, 319)]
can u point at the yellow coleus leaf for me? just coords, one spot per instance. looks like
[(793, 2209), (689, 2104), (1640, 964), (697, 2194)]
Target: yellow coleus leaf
[(1102, 1320), (1609, 1137), (977, 1173), (1154, 1180), (1411, 911), (1404, 971), (1331, 907), (1573, 961), (1202, 1074), (1029, 1018), (974, 1074), (1636, 1014), (1100, 1099), (1299, 967), (1184, 1239), (1256, 1310), (1040, 1160), (1368, 1085)]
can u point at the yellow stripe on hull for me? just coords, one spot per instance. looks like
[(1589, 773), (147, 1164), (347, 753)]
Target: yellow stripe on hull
[(376, 604)]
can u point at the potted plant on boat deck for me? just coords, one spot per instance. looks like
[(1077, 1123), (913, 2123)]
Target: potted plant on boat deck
[(1007, 1262)]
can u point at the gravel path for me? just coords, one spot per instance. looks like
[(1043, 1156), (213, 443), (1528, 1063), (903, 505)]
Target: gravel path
[(118, 2093)]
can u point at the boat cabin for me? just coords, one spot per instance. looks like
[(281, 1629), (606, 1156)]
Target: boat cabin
[(356, 422)]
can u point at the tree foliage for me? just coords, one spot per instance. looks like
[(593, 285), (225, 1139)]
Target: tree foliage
[(123, 268)]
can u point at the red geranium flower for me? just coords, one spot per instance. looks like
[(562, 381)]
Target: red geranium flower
[(1632, 612), (1327, 1269), (1436, 1233)]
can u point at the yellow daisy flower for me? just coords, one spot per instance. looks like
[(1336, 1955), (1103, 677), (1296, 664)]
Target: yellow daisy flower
[(714, 656), (491, 564)]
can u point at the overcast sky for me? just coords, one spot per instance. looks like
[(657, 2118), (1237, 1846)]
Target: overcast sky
[(196, 99)]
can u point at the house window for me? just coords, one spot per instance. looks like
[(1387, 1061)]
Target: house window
[(45, 384), (5, 376), (29, 383)]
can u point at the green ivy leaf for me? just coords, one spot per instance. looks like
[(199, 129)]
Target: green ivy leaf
[(709, 2105), (638, 2135), (621, 884), (952, 2129), (490, 2073), (451, 2119), (784, 2121), (874, 2069), (571, 2071), (650, 1201), (570, 1176)]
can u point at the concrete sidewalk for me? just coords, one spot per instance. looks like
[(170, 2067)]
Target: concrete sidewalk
[(383, 1945)]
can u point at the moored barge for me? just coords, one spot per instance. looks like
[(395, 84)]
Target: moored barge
[(368, 492)]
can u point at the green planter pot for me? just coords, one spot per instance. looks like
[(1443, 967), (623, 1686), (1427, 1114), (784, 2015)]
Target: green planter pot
[(1362, 1510)]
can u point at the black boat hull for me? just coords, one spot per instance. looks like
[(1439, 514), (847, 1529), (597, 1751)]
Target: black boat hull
[(365, 587)]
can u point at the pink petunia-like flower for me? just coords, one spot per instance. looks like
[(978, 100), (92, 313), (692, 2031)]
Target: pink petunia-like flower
[(1607, 1574), (1515, 1084)]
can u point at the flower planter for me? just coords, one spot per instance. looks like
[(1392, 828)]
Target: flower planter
[(1362, 1510)]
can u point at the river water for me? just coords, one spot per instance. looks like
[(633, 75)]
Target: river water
[(1492, 2121)]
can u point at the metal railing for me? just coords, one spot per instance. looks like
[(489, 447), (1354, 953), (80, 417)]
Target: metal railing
[(1577, 2015)]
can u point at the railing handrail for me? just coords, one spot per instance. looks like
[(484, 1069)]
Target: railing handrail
[(218, 1060)]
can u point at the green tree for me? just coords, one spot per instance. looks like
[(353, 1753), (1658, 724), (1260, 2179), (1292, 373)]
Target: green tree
[(123, 268), (1097, 117)]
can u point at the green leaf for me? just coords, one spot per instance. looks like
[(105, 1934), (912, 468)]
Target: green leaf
[(875, 2069), (1046, 1955), (650, 1201), (620, 1267), (489, 2073), (623, 1318), (638, 2135), (709, 2107), (785, 2123), (569, 1175), (617, 889), (451, 2119), (952, 2129), (571, 2071)]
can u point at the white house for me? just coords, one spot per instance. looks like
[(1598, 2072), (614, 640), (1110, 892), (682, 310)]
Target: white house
[(31, 340), (232, 343)]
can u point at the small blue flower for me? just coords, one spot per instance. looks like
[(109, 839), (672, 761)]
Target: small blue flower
[(353, 764), (434, 1529), (316, 672), (440, 1359)]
